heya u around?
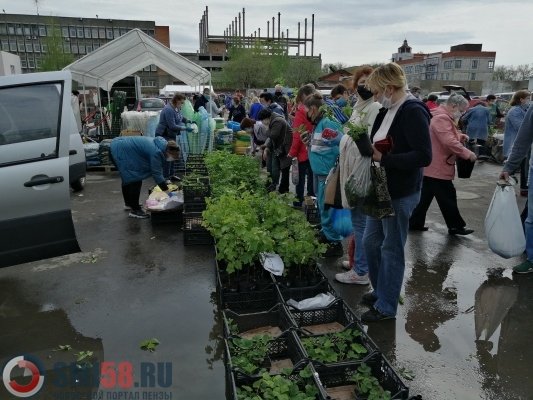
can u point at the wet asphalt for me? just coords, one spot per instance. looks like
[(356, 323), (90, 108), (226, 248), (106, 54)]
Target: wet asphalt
[(463, 331)]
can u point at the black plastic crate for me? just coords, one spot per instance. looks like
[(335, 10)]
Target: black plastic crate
[(192, 221), (261, 299), (167, 217), (194, 207), (233, 382), (301, 293), (282, 347), (337, 312), (196, 169), (276, 316), (196, 193), (196, 237), (340, 375), (312, 214)]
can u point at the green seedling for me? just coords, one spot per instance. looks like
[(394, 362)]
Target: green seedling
[(407, 374), (149, 344), (366, 384), (335, 347), (82, 355)]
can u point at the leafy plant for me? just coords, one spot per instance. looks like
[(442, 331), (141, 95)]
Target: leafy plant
[(64, 347), (149, 344), (283, 386), (82, 355), (249, 355), (335, 347), (233, 328), (406, 373), (369, 385)]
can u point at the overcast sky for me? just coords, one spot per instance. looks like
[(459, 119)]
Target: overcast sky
[(348, 31)]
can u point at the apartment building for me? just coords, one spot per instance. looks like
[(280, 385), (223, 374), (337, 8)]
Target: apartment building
[(25, 36), (465, 64)]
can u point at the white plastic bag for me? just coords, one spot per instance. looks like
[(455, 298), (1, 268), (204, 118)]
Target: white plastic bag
[(359, 183), (321, 300), (503, 227), (273, 263)]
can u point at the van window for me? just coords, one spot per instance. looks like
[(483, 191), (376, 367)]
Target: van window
[(29, 113)]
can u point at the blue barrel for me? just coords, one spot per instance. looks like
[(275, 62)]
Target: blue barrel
[(224, 136)]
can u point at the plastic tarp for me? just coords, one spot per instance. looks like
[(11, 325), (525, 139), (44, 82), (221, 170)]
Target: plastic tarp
[(128, 54)]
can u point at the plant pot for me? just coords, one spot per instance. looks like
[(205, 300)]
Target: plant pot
[(364, 145), (300, 283), (262, 283), (233, 288), (247, 286), (315, 280)]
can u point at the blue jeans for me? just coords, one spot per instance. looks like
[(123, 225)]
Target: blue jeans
[(326, 215), (529, 223), (384, 244), (304, 170), (360, 265)]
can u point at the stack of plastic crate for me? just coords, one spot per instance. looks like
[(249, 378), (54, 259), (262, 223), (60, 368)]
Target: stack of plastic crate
[(196, 188)]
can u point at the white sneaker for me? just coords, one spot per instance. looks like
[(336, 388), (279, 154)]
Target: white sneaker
[(346, 265), (352, 278)]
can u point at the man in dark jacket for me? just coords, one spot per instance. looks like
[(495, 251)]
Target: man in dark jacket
[(281, 100), (203, 100)]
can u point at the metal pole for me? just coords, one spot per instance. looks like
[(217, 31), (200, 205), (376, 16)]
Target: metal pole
[(273, 22), (268, 30), (243, 24), (279, 28), (312, 33), (240, 25), (305, 37), (298, 52)]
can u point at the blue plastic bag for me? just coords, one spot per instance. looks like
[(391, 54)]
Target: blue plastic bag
[(342, 221)]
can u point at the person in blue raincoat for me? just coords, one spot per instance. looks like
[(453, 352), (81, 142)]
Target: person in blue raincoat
[(322, 157), (137, 158), (478, 120), (171, 124)]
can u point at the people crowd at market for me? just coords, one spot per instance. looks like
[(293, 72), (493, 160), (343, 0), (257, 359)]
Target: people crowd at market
[(414, 141)]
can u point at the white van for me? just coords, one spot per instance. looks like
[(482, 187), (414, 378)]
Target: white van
[(36, 134)]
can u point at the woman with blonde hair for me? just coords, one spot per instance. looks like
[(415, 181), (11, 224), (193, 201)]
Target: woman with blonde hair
[(406, 120), (255, 108)]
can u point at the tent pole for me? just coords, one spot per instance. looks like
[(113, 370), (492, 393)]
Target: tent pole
[(211, 135)]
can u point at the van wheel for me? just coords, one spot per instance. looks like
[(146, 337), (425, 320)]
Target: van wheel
[(78, 184)]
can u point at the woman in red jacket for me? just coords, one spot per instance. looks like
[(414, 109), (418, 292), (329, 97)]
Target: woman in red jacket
[(298, 149), (446, 144)]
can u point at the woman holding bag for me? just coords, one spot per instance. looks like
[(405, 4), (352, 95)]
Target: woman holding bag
[(406, 120), (446, 145), (364, 113)]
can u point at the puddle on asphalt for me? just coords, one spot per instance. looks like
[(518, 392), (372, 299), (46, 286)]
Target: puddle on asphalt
[(34, 331)]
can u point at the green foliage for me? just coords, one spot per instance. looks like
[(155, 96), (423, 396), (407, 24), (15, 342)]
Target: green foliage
[(63, 347), (366, 384), (335, 347), (301, 70), (233, 328), (406, 373), (246, 222), (149, 344), (249, 355), (55, 57), (280, 387)]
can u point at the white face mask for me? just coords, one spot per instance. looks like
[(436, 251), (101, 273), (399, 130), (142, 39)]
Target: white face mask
[(170, 158), (385, 101), (457, 114)]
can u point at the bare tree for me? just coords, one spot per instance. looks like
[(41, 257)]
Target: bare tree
[(523, 72)]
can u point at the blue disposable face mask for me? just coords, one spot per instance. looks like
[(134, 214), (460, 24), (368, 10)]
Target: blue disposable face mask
[(342, 102), (207, 97), (248, 130)]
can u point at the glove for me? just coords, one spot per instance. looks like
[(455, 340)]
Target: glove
[(171, 194), (193, 122), (189, 129)]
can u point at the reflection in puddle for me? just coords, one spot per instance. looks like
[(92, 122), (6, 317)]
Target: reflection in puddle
[(39, 330), (505, 361)]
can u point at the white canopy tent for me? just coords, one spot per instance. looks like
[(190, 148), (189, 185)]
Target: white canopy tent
[(130, 53), (171, 89)]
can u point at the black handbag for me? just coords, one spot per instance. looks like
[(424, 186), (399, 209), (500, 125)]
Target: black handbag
[(378, 203), (464, 167)]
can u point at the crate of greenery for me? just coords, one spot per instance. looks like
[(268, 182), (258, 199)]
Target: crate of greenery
[(196, 168), (247, 290), (196, 189), (273, 322), (260, 354), (374, 379), (332, 335), (295, 384)]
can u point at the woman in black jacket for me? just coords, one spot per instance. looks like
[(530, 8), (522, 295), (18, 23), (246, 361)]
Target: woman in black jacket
[(406, 120)]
